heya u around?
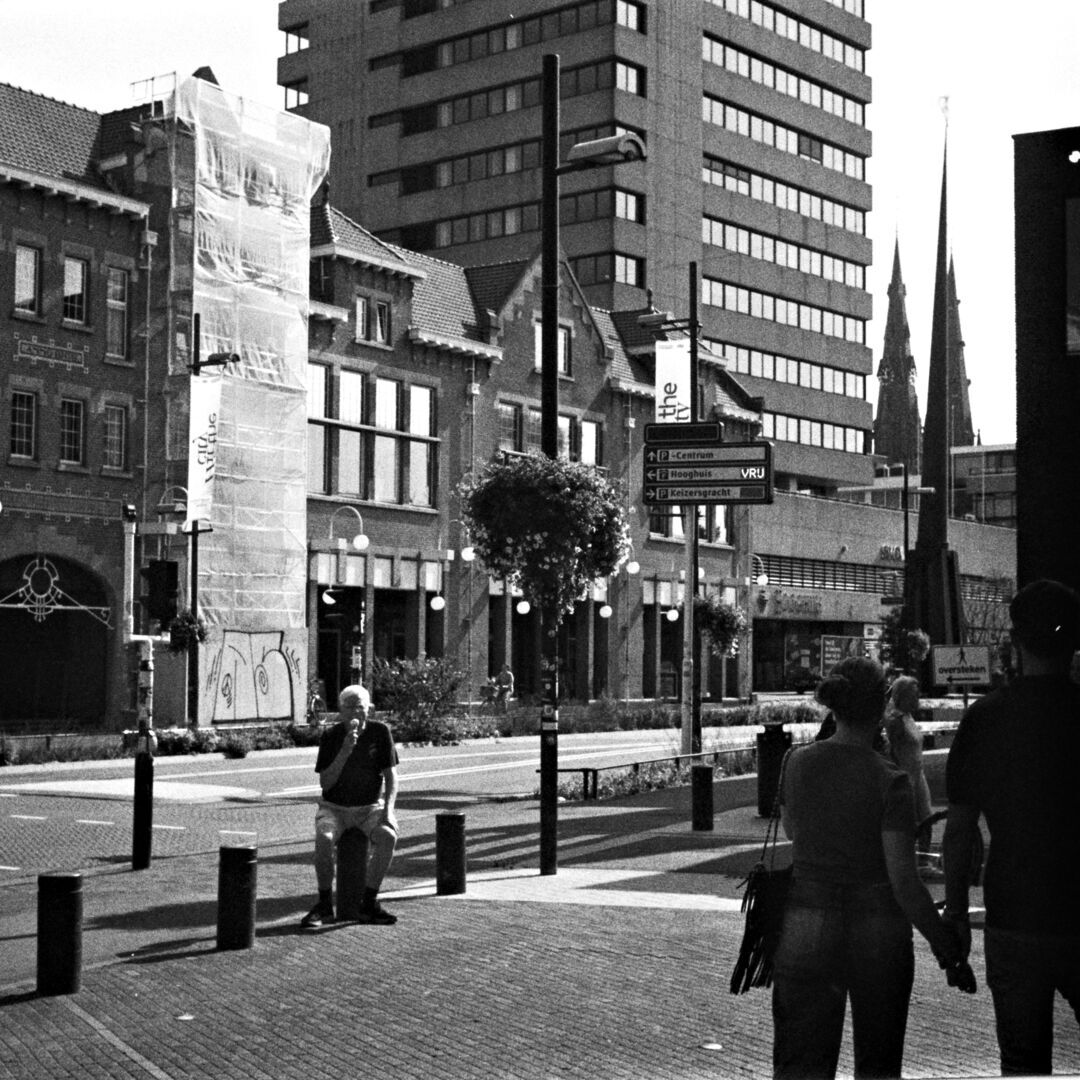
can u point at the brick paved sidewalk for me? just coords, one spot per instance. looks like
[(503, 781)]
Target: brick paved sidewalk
[(615, 967)]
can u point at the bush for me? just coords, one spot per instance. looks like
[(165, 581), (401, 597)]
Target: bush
[(236, 744), (415, 690), (175, 741), (444, 730)]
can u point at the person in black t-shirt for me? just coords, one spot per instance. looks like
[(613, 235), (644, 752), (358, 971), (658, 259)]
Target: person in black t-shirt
[(357, 767), (1014, 760)]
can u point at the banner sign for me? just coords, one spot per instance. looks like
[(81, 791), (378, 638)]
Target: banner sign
[(674, 394), (202, 446)]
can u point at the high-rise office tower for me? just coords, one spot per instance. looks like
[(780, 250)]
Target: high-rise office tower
[(754, 116)]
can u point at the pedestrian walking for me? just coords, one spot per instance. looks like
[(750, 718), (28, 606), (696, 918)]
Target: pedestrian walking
[(504, 686), (357, 767), (854, 896), (906, 750), (1014, 762)]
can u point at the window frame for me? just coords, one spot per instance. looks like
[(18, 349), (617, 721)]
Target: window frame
[(113, 457), (72, 409), (24, 427), (34, 307), (117, 309), (76, 304)]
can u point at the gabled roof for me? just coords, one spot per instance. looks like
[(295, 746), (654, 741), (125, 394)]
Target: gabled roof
[(444, 313), (626, 371), (53, 146), (49, 137), (334, 234), (491, 285)]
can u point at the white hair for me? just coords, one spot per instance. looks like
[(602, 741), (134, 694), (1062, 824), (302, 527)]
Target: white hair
[(358, 691)]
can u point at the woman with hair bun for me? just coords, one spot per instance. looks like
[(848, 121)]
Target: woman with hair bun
[(855, 893)]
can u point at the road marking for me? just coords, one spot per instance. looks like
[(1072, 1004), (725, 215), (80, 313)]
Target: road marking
[(91, 821), (172, 828), (237, 832), (9, 868), (27, 817), (524, 763), (113, 1040), (8, 795)]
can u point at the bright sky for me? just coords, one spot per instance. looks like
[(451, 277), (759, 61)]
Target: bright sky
[(1003, 76)]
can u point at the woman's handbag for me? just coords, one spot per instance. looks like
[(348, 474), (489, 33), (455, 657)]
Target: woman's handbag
[(763, 904)]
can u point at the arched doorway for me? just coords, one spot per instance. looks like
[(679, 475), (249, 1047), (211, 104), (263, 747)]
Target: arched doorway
[(53, 625)]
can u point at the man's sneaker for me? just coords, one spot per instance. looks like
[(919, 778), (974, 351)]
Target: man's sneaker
[(376, 915), (319, 914)]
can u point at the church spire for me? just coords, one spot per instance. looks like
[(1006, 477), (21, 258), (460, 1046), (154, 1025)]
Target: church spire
[(961, 432), (897, 428), (932, 575)]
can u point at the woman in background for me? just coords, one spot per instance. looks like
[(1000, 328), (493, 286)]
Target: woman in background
[(906, 749), (855, 893)]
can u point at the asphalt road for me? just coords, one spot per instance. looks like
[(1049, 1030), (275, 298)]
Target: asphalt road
[(78, 816)]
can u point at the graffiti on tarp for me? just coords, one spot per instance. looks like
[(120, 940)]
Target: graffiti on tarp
[(253, 675)]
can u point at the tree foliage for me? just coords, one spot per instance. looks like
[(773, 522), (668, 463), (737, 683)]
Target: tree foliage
[(549, 526)]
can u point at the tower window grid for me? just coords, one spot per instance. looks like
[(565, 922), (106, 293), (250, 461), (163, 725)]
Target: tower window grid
[(519, 34), (782, 80), (763, 130), (783, 369), (23, 424), (511, 97), (778, 309), (806, 432), (787, 26), (772, 249), (743, 181)]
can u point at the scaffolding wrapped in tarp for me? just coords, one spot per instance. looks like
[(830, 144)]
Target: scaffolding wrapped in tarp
[(243, 179)]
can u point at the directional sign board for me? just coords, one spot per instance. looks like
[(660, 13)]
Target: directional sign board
[(696, 470), (961, 665)]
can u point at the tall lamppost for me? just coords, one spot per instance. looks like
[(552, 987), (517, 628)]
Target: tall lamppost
[(586, 155)]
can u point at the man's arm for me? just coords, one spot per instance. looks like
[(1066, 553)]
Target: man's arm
[(390, 782), (961, 828), (332, 773)]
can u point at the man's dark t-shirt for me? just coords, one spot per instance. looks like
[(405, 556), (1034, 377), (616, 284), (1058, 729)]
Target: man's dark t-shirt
[(360, 782), (1015, 758)]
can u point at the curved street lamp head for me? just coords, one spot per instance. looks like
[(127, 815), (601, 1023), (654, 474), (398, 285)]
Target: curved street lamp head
[(612, 150), (174, 500), (360, 541)]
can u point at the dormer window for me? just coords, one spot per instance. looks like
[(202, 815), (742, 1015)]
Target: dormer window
[(373, 320)]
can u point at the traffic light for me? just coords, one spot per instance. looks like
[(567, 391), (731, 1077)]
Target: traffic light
[(161, 589)]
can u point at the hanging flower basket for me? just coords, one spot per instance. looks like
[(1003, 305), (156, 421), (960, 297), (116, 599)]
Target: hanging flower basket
[(549, 526), (721, 623), (184, 630)]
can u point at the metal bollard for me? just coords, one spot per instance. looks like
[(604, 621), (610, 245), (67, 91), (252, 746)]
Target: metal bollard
[(772, 744), (352, 860), (236, 897), (450, 853), (701, 787), (59, 934)]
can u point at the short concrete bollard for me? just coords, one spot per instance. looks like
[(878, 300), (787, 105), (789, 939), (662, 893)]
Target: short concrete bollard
[(352, 860), (450, 853), (237, 868), (701, 787), (59, 934)]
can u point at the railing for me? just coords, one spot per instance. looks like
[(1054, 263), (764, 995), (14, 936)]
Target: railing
[(590, 774)]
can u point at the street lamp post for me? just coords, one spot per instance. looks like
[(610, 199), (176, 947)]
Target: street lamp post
[(598, 152)]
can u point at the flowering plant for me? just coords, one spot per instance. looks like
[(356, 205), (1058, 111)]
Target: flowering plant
[(721, 623), (185, 629), (549, 526)]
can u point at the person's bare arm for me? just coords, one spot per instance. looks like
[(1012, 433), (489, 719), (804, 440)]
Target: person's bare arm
[(390, 781), (332, 773), (915, 901)]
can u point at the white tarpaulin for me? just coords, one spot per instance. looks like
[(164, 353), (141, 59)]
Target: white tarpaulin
[(244, 179)]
